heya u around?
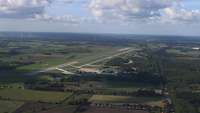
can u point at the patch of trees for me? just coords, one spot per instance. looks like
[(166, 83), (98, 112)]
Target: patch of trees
[(193, 98), (186, 102), (79, 101), (47, 87), (6, 65), (141, 77), (117, 62), (13, 64), (86, 77), (146, 93), (74, 50)]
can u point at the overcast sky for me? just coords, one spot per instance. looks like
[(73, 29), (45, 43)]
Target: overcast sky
[(171, 17)]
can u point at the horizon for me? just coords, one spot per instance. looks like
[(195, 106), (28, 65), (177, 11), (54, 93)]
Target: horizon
[(94, 33)]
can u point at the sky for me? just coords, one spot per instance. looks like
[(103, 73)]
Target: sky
[(157, 17)]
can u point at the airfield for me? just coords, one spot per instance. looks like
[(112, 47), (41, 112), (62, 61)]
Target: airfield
[(79, 66), (97, 75)]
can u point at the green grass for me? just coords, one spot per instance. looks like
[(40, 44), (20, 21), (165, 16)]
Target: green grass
[(32, 95), (12, 85), (83, 58), (61, 109), (9, 106), (96, 54), (45, 64)]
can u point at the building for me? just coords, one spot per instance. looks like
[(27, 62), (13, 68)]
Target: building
[(89, 70), (196, 48)]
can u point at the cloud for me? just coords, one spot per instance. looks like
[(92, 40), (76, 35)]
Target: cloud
[(22, 8), (124, 11), (68, 19), (65, 18), (169, 11), (128, 9), (174, 15), (36, 10)]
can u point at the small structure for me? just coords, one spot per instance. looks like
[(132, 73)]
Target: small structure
[(159, 91), (196, 48), (89, 70)]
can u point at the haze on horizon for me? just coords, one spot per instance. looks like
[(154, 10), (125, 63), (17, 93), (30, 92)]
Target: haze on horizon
[(171, 17)]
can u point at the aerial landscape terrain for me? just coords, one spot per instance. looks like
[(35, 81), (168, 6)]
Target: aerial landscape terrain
[(99, 56), (96, 73)]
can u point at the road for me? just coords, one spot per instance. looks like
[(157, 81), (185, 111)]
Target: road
[(64, 71)]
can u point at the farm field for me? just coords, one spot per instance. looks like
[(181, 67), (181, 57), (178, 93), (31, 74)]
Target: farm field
[(9, 106), (120, 99), (93, 53), (110, 110), (65, 109), (32, 95)]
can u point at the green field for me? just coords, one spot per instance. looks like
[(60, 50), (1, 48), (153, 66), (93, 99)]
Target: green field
[(9, 106), (95, 53), (31, 95)]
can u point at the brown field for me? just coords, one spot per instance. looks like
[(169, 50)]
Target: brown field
[(65, 109), (109, 110), (33, 107), (120, 99), (36, 107)]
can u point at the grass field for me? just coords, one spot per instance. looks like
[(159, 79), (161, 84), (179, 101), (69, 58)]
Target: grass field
[(96, 52), (31, 95), (9, 106), (12, 85), (61, 109), (44, 64), (120, 99)]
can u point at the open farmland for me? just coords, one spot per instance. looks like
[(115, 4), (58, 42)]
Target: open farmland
[(9, 106), (110, 110), (31, 95), (61, 109), (69, 53), (120, 99), (58, 75)]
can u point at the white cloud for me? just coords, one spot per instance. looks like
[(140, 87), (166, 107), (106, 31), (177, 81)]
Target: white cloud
[(21, 8), (35, 10), (128, 9), (174, 15), (65, 18), (165, 11), (143, 10), (68, 19)]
